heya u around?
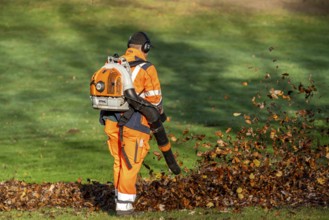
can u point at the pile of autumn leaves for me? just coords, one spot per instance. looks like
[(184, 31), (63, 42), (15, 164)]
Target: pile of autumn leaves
[(269, 163), (276, 162)]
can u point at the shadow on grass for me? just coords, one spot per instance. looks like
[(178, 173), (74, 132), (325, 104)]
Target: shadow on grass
[(100, 195)]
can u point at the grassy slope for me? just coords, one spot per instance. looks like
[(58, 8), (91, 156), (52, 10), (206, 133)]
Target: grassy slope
[(49, 50)]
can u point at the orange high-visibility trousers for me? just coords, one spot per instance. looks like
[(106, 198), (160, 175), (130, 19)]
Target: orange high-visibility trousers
[(134, 148)]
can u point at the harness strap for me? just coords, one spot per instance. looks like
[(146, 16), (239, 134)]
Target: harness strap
[(124, 118)]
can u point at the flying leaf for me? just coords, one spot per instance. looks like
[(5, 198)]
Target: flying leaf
[(219, 133), (248, 121), (173, 138), (156, 153), (236, 114)]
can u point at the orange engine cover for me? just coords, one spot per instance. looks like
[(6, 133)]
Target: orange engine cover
[(106, 90), (111, 79)]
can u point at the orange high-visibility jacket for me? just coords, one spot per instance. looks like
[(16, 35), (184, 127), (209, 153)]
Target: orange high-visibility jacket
[(146, 81)]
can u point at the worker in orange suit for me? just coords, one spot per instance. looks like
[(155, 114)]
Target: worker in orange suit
[(136, 132)]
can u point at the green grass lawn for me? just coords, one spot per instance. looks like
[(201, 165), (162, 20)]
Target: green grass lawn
[(197, 214), (50, 49), (204, 53)]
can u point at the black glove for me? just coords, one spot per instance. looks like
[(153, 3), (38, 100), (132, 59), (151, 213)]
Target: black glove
[(101, 114), (171, 162)]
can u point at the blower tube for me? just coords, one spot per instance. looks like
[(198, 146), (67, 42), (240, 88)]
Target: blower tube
[(153, 117)]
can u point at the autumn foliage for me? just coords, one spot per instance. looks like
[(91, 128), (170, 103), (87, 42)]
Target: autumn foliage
[(277, 159)]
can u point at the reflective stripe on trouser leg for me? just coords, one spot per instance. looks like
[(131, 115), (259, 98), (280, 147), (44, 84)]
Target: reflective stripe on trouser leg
[(136, 148), (125, 202)]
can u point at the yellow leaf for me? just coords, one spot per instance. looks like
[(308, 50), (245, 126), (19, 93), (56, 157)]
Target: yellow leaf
[(240, 196), (321, 180), (327, 155), (279, 173), (251, 176), (256, 162), (244, 83), (236, 114), (239, 190), (210, 204)]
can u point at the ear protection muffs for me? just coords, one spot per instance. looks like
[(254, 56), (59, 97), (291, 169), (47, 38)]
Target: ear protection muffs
[(146, 46)]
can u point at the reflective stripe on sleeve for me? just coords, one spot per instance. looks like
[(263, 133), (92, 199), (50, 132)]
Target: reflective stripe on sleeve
[(152, 93), (136, 71)]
